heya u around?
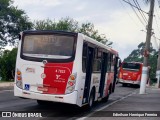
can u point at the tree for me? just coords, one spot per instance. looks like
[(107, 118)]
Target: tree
[(137, 56), (7, 64), (68, 24), (12, 22)]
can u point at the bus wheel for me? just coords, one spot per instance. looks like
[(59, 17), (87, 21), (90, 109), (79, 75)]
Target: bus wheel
[(91, 99)]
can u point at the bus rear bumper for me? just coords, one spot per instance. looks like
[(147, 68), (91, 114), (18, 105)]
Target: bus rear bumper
[(67, 98), (129, 82)]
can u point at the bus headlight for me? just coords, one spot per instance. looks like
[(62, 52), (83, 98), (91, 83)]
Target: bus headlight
[(71, 83), (18, 78)]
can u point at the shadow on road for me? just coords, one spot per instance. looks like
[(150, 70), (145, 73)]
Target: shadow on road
[(130, 86)]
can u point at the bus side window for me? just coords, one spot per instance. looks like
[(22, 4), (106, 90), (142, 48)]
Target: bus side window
[(97, 61), (109, 63), (112, 62), (84, 57)]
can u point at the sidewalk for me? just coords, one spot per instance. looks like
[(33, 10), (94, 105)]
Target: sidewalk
[(6, 85), (139, 105)]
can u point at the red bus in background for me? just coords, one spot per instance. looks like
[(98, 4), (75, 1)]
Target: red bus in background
[(130, 73)]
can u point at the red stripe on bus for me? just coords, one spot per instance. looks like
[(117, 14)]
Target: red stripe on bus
[(57, 75), (109, 81)]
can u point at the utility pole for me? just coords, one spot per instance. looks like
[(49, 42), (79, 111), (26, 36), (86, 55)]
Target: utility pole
[(158, 68), (146, 50)]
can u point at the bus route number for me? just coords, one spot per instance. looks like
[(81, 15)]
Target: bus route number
[(60, 71)]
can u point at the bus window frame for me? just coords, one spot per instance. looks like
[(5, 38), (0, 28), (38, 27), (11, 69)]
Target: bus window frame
[(84, 57), (98, 58), (74, 35)]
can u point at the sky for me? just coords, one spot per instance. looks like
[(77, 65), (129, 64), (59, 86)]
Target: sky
[(114, 18)]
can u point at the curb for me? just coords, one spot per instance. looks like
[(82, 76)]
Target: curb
[(6, 84)]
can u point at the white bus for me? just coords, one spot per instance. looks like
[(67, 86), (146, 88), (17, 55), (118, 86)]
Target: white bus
[(64, 67)]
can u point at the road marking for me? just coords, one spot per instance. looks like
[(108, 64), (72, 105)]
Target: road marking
[(82, 118)]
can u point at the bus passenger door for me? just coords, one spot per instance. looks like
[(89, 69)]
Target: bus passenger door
[(89, 64), (115, 73), (103, 74)]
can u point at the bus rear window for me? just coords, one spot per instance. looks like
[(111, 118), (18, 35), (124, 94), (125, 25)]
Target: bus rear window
[(48, 46), (131, 66)]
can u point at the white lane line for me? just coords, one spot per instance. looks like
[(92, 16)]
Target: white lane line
[(82, 118)]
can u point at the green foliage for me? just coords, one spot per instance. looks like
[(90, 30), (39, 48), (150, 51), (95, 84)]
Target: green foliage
[(68, 24), (153, 64), (137, 56), (65, 24), (7, 64), (12, 22)]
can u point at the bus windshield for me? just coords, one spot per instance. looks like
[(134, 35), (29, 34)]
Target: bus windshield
[(48, 46), (131, 66)]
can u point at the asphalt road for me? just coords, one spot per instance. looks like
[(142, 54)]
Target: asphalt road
[(57, 110)]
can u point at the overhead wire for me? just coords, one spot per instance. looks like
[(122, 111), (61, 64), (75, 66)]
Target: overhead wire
[(143, 16), (136, 13), (134, 6), (128, 13)]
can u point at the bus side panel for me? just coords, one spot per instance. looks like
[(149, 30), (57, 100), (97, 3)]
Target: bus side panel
[(105, 85), (109, 81), (95, 82), (77, 69)]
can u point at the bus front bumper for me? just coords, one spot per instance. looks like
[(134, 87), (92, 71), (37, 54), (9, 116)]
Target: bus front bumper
[(129, 82)]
